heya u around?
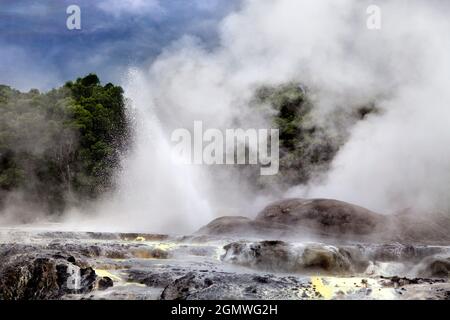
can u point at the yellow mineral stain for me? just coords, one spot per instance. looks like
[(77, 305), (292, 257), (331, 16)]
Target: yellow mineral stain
[(325, 290), (105, 273), (135, 284), (336, 287), (139, 239), (165, 245)]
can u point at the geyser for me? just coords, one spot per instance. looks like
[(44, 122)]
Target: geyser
[(396, 159), (235, 146)]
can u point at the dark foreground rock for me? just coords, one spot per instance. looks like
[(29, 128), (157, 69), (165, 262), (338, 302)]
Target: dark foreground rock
[(232, 286), (42, 275), (105, 283)]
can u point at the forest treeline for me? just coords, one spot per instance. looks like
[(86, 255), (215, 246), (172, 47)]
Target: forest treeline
[(63, 146)]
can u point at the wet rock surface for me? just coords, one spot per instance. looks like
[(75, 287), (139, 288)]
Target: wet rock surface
[(284, 257), (227, 285), (53, 265), (28, 274)]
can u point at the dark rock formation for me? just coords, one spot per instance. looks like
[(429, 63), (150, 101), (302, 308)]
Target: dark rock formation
[(265, 255), (437, 266), (328, 260), (279, 256), (182, 287), (156, 278), (29, 275), (105, 283), (231, 286)]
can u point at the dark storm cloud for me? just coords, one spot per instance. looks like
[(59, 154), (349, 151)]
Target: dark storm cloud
[(37, 50)]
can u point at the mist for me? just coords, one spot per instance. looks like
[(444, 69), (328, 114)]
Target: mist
[(393, 160)]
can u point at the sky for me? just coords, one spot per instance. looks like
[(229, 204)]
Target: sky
[(38, 51)]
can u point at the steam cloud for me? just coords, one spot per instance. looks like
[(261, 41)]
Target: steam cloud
[(394, 160)]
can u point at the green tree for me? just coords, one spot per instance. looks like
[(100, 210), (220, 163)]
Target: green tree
[(64, 146)]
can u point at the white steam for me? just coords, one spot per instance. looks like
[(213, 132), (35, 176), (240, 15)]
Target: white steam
[(398, 159)]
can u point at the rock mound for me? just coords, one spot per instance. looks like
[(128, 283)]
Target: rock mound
[(238, 226), (325, 216), (437, 266), (414, 226), (296, 218)]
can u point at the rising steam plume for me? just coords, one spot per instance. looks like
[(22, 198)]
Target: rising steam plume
[(393, 160)]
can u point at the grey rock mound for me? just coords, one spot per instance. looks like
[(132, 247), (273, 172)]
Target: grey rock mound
[(300, 218), (326, 216), (419, 227), (238, 226)]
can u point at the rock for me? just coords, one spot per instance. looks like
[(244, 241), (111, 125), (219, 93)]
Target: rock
[(397, 281), (437, 266), (182, 287), (238, 226), (297, 218), (154, 278), (420, 227), (401, 252), (232, 286), (328, 219), (31, 274), (326, 259), (88, 277), (105, 283), (279, 256), (149, 253), (32, 267), (264, 255), (71, 259), (34, 279), (325, 216)]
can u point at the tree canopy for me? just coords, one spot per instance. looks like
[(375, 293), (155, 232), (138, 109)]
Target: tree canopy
[(62, 146)]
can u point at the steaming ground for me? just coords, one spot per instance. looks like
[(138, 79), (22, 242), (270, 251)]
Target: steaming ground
[(36, 263)]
